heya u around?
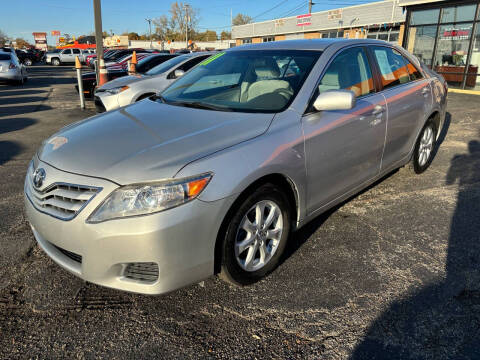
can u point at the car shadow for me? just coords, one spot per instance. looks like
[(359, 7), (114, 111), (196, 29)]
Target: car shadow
[(8, 150), (19, 99), (14, 124), (21, 92), (440, 320), (23, 109)]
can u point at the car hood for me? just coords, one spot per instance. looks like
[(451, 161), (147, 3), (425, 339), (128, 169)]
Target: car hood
[(121, 81), (147, 141)]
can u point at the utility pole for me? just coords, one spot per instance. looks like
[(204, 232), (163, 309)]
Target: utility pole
[(310, 3), (101, 70), (186, 24), (150, 31)]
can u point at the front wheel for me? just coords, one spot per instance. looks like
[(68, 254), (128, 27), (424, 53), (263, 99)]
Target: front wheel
[(424, 148), (256, 236), (28, 62), (55, 62)]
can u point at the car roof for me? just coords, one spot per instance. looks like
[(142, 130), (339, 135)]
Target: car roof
[(305, 44)]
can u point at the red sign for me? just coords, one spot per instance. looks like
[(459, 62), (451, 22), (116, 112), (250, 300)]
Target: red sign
[(40, 40), (55, 33), (305, 19), (456, 34)]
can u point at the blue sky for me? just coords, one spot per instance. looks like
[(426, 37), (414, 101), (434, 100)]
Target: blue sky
[(76, 17)]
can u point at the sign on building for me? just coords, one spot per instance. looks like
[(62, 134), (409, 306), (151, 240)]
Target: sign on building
[(305, 19), (40, 39), (335, 14), (55, 32)]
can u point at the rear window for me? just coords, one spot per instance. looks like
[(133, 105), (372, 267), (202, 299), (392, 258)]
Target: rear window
[(4, 57)]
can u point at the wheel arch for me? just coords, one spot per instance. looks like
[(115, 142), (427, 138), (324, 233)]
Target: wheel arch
[(143, 95), (280, 180)]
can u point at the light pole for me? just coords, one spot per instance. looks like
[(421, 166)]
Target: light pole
[(186, 6), (150, 31), (101, 70)]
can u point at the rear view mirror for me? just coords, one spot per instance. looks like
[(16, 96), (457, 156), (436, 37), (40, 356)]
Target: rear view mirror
[(179, 73), (335, 100)]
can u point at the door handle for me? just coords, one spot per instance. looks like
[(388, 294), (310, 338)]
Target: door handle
[(378, 110)]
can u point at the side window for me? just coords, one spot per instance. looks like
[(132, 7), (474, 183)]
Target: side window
[(76, 51), (191, 63), (350, 70), (392, 66), (67, 52), (415, 74)]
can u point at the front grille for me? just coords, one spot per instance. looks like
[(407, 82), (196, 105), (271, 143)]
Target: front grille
[(144, 271), (69, 254), (61, 200)]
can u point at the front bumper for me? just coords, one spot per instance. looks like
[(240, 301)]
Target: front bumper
[(181, 241), (106, 100)]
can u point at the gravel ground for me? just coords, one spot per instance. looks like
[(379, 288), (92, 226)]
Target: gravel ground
[(391, 274)]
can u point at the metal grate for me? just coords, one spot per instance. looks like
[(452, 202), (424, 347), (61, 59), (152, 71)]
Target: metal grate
[(144, 271), (69, 254), (61, 200)]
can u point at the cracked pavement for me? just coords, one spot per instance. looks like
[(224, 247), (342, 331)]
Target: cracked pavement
[(392, 273)]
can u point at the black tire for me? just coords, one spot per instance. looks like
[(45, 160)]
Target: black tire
[(55, 61), (28, 62), (231, 271), (415, 164)]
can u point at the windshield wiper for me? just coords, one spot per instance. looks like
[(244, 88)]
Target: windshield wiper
[(200, 105)]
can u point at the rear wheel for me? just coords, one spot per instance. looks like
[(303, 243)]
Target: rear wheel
[(256, 236), (28, 62), (424, 148)]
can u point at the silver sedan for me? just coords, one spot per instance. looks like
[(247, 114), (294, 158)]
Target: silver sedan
[(11, 69), (213, 175), (129, 89)]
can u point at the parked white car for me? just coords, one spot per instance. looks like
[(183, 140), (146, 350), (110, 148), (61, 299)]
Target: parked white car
[(129, 89), (11, 69)]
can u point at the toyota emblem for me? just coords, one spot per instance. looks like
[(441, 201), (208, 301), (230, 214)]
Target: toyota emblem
[(38, 177)]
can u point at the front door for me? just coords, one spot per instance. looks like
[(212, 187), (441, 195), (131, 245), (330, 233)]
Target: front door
[(344, 148)]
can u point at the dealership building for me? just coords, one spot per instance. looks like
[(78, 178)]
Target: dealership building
[(444, 34)]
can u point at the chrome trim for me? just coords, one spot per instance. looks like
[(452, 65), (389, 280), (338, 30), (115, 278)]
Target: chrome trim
[(48, 188)]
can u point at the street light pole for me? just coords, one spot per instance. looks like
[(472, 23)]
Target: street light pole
[(186, 24), (150, 31)]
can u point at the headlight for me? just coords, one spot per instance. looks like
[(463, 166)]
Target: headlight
[(149, 198), (117, 90)]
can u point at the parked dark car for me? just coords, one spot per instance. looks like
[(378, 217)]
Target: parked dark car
[(27, 57), (115, 55), (90, 80)]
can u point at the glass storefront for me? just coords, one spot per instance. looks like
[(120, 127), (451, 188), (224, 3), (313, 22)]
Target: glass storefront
[(447, 39)]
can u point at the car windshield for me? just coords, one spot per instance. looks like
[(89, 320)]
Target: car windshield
[(167, 65), (245, 81)]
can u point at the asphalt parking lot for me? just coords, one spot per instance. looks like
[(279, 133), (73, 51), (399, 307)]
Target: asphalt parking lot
[(393, 273)]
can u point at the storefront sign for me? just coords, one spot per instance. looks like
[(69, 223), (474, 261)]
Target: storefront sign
[(305, 19), (456, 34), (40, 39), (335, 14)]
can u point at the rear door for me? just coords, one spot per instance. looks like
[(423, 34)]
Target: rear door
[(344, 148), (408, 97)]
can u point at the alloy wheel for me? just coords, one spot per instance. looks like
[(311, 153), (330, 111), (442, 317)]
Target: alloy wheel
[(258, 235), (426, 146)]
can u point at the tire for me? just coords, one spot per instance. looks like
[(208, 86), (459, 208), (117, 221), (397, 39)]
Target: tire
[(55, 62), (241, 263), (424, 148), (28, 62)]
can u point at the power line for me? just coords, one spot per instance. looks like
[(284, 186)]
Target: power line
[(273, 8)]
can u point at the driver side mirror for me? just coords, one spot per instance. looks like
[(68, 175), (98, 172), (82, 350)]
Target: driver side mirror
[(178, 73), (335, 100)]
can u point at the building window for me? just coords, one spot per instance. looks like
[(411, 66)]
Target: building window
[(442, 37), (246, 41), (340, 34), (268, 39), (332, 34)]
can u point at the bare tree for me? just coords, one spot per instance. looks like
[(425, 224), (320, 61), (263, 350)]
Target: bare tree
[(173, 27), (3, 38), (241, 19)]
